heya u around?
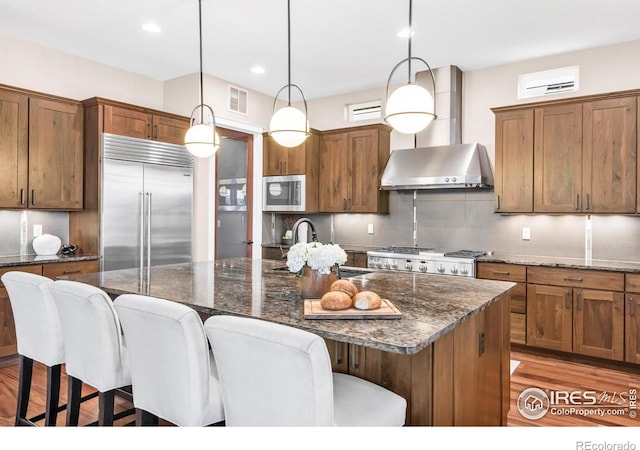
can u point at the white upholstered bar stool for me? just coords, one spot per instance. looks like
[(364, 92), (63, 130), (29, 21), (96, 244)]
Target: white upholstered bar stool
[(39, 338), (276, 375), (174, 375), (95, 353)]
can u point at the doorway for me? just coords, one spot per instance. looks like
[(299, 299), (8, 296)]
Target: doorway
[(234, 202)]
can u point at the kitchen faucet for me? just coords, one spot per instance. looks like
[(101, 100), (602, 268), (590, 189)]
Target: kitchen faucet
[(294, 232)]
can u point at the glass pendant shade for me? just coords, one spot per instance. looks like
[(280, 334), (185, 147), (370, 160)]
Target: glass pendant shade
[(201, 140), (289, 126), (410, 109)]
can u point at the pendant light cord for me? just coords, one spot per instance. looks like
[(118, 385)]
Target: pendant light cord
[(410, 33), (201, 77), (289, 47)]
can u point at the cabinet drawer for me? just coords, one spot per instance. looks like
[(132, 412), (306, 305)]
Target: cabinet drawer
[(632, 282), (56, 270), (503, 272), (592, 279), (36, 268)]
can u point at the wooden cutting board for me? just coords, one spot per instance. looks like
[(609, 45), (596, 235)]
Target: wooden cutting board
[(387, 310)]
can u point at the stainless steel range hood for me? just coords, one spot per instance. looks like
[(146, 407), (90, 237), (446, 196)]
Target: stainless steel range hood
[(441, 161), (440, 167)]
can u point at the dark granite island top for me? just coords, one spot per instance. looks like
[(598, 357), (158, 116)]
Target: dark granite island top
[(431, 305)]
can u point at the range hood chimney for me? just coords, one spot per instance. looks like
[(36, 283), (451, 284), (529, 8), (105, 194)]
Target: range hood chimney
[(440, 160)]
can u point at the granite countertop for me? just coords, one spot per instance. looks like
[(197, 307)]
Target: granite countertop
[(568, 263), (25, 260), (431, 305)]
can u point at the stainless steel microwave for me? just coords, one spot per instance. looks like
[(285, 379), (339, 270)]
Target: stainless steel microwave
[(284, 193)]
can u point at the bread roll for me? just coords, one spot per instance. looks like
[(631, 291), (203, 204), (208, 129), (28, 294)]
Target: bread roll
[(345, 286), (366, 300), (336, 300)]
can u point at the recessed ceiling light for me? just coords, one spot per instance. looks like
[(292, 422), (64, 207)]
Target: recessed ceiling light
[(404, 34), (257, 69), (151, 27)]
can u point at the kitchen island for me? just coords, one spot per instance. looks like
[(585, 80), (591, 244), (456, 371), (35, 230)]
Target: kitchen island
[(448, 354)]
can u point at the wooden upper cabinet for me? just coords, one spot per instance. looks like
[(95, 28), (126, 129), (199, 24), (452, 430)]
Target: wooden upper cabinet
[(279, 160), (55, 154), (558, 158), (41, 148), (351, 165), (610, 156), (514, 161), (14, 149), (144, 124)]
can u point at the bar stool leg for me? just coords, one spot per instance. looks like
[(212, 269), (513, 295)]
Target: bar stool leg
[(106, 405), (74, 392), (24, 388), (145, 418), (53, 395)]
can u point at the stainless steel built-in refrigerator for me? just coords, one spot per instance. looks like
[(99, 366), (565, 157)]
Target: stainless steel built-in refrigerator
[(147, 203)]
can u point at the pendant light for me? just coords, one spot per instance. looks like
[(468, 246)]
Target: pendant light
[(289, 126), (201, 138), (410, 108)]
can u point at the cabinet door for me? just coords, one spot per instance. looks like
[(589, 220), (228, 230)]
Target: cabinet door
[(598, 323), (514, 161), (55, 154), (632, 329), (549, 317), (169, 129), (14, 115), (333, 188), (558, 159), (363, 171), (609, 149), (274, 156), (127, 122)]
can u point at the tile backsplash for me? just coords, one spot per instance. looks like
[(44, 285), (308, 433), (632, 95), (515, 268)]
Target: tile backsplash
[(16, 229), (465, 219)]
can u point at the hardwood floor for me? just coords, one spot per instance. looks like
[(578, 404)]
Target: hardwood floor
[(533, 371)]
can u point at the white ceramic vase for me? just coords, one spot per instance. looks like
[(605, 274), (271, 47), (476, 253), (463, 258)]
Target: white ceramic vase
[(46, 244)]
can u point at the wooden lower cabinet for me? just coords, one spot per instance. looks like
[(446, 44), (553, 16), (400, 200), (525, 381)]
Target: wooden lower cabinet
[(356, 259), (632, 318), (579, 320), (8, 345), (461, 379)]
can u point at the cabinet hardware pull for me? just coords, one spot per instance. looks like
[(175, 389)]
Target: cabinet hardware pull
[(588, 202), (577, 205), (496, 272), (574, 279), (337, 352), (498, 202), (355, 364), (69, 272), (148, 130), (578, 302), (33, 196), (344, 204), (349, 204), (155, 131), (22, 196), (632, 307), (567, 300)]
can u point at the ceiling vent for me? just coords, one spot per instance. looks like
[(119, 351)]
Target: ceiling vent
[(547, 82), (364, 111), (238, 100)]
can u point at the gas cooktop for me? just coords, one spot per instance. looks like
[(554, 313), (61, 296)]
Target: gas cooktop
[(425, 260)]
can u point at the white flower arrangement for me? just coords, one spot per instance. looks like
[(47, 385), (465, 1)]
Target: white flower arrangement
[(321, 257)]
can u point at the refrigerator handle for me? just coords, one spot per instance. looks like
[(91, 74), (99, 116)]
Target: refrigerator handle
[(141, 243), (148, 241)]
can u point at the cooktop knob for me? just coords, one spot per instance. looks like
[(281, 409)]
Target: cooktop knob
[(422, 267), (387, 265), (380, 265), (394, 265), (464, 271), (454, 270), (408, 266), (440, 268)]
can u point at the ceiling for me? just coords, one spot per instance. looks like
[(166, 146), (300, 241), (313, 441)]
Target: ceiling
[(337, 46)]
